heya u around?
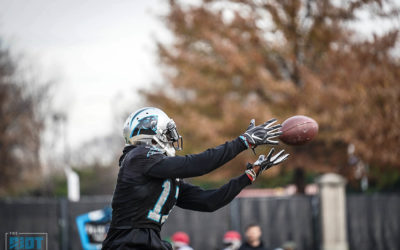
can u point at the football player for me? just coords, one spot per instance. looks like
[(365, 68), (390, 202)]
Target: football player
[(150, 179)]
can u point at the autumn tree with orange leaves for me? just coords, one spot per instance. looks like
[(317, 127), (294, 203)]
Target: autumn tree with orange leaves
[(231, 61)]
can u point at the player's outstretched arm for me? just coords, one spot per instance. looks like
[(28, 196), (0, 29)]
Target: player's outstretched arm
[(195, 198), (205, 162), (197, 164)]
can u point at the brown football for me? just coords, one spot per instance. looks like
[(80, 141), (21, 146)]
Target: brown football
[(298, 130)]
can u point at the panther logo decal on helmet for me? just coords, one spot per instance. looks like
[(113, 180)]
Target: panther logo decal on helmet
[(146, 125)]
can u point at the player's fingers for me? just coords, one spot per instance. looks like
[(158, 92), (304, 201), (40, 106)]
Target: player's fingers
[(271, 152), (269, 123), (275, 127), (273, 158), (274, 134), (281, 159), (252, 124), (271, 135), (269, 141)]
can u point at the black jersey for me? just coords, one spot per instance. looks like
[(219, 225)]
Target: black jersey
[(142, 201), (149, 185)]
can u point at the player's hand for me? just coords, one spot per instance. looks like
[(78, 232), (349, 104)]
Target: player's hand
[(262, 134), (265, 162)]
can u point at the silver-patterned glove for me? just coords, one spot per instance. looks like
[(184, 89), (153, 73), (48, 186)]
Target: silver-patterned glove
[(262, 134), (265, 162)]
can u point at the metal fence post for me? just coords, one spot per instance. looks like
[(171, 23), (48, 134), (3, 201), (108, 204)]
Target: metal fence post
[(63, 222)]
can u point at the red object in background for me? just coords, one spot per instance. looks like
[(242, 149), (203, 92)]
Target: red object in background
[(298, 130), (180, 237), (232, 235)]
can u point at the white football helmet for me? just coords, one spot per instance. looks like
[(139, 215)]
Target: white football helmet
[(152, 126)]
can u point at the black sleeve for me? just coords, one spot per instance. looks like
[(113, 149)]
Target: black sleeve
[(197, 164), (195, 198)]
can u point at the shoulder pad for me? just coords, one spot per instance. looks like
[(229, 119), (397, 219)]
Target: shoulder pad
[(154, 151)]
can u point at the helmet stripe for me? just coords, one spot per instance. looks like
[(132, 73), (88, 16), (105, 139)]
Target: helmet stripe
[(137, 113)]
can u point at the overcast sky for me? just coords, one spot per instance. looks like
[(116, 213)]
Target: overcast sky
[(100, 52)]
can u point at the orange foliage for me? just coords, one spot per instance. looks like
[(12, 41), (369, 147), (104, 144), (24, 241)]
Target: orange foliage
[(235, 60)]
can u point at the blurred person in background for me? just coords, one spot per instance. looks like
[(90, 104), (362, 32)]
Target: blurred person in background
[(253, 238), (149, 182), (181, 241), (232, 240)]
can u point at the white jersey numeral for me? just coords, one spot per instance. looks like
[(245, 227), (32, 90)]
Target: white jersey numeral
[(155, 213)]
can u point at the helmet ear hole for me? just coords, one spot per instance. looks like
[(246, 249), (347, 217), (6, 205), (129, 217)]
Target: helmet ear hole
[(153, 142)]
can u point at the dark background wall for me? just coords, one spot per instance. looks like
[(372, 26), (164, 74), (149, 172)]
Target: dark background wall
[(373, 221)]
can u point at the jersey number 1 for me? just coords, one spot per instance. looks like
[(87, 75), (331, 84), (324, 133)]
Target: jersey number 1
[(155, 213)]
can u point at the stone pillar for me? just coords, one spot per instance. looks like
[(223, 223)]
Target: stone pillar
[(333, 212)]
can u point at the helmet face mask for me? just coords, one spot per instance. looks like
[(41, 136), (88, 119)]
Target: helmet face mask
[(152, 126), (173, 135)]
